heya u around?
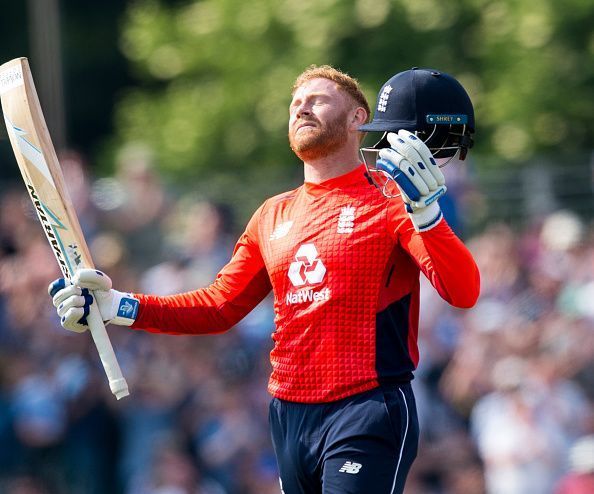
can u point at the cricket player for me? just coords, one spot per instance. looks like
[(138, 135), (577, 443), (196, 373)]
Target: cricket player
[(342, 254)]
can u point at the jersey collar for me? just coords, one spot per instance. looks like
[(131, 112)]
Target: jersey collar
[(350, 178)]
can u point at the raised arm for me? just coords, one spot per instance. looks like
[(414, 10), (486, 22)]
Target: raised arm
[(443, 258), (416, 220)]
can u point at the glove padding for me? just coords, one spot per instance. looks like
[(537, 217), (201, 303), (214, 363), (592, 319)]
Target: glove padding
[(72, 301), (421, 182)]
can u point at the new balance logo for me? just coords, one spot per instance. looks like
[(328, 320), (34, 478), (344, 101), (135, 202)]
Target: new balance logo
[(346, 220), (281, 230), (350, 467)]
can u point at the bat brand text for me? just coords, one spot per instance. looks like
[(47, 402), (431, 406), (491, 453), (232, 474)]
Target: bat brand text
[(53, 239)]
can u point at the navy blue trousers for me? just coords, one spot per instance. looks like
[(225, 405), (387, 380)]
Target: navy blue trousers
[(363, 444)]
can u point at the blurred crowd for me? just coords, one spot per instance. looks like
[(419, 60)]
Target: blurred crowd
[(505, 391)]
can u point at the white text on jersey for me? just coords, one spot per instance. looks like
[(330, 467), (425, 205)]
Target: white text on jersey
[(308, 295)]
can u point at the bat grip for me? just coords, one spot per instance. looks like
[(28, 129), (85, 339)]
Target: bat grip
[(117, 382)]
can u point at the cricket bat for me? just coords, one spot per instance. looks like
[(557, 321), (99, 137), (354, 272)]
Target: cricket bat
[(37, 160)]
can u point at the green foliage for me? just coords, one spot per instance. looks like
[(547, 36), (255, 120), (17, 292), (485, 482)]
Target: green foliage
[(215, 75)]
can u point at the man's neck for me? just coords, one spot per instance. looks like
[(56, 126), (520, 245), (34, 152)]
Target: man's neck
[(334, 165)]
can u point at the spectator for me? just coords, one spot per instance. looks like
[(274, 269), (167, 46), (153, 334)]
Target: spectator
[(194, 420), (580, 478)]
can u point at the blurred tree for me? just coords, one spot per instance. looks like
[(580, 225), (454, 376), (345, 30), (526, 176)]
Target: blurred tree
[(14, 44), (214, 76), (93, 68)]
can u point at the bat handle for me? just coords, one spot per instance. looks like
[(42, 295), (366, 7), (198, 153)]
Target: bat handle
[(117, 382)]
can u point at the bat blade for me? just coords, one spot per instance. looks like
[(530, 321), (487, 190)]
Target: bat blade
[(42, 174)]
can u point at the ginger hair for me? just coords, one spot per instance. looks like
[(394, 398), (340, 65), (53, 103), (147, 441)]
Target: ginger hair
[(348, 84)]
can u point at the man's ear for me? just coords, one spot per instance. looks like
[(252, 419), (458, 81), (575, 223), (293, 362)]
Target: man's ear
[(359, 117)]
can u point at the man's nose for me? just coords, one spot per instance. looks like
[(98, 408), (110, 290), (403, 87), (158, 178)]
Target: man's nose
[(303, 110)]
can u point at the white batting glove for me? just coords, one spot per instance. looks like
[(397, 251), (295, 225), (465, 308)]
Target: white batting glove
[(417, 175), (72, 301)]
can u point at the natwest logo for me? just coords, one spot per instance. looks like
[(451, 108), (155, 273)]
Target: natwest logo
[(307, 295), (307, 268)]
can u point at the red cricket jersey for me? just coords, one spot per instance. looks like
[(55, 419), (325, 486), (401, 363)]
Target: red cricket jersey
[(343, 262)]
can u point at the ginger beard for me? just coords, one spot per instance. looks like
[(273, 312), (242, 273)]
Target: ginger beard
[(316, 142)]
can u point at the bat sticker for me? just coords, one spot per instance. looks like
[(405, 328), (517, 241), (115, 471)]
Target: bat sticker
[(29, 151), (51, 231), (11, 78)]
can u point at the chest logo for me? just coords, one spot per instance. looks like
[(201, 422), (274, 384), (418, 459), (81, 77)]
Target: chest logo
[(346, 220), (306, 268), (281, 230)]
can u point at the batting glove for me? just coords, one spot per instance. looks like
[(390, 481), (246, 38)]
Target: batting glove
[(412, 166), (72, 301)]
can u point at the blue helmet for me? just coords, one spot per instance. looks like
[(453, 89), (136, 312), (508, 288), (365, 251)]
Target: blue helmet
[(431, 104)]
